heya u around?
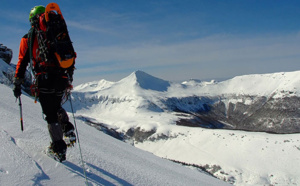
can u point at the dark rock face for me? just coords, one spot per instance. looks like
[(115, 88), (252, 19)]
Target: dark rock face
[(274, 115), (6, 54), (138, 134), (251, 113), (7, 72)]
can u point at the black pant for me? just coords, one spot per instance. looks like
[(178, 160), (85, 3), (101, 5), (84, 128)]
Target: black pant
[(50, 103), (51, 87)]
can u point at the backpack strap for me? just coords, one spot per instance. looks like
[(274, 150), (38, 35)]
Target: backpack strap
[(46, 60), (34, 86), (31, 35)]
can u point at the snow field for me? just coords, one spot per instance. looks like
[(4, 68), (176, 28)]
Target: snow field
[(251, 158), (108, 161)]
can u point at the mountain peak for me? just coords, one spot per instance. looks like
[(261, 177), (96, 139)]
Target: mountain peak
[(146, 81)]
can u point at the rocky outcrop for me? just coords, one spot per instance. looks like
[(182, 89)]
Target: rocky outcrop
[(6, 54), (8, 70), (251, 113)]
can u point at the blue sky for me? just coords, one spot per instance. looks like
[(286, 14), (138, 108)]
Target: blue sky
[(172, 39)]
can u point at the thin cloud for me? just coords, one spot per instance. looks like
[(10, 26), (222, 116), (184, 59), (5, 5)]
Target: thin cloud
[(206, 50), (86, 27), (215, 56)]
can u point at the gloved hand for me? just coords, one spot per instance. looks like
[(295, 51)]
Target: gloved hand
[(17, 89)]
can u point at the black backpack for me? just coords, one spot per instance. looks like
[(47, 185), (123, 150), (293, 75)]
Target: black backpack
[(54, 44)]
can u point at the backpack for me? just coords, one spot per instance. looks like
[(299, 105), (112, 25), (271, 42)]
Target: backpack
[(54, 44)]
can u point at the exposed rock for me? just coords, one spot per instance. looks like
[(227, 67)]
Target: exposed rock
[(6, 54), (275, 115)]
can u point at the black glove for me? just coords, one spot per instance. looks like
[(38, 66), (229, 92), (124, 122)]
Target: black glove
[(17, 89)]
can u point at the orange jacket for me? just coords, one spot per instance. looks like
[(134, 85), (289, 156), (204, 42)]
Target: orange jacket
[(24, 57)]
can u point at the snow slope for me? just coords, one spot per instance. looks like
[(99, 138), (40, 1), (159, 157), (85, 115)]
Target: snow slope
[(143, 96), (108, 161), (241, 158)]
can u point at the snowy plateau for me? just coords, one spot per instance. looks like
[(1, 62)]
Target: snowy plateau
[(143, 130)]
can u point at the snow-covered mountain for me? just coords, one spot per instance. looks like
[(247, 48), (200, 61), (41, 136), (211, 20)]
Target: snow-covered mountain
[(107, 161), (164, 118), (267, 102)]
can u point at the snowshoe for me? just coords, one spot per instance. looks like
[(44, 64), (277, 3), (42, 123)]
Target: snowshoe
[(56, 155)]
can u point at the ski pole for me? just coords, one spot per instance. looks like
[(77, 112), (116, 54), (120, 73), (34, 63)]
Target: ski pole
[(21, 114), (82, 165)]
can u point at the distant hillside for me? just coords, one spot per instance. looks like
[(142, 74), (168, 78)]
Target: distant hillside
[(262, 102)]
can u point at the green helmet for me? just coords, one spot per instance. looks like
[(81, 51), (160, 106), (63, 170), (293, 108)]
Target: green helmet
[(36, 10)]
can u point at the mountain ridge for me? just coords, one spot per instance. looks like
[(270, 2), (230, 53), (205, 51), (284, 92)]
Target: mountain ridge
[(244, 102), (253, 84)]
